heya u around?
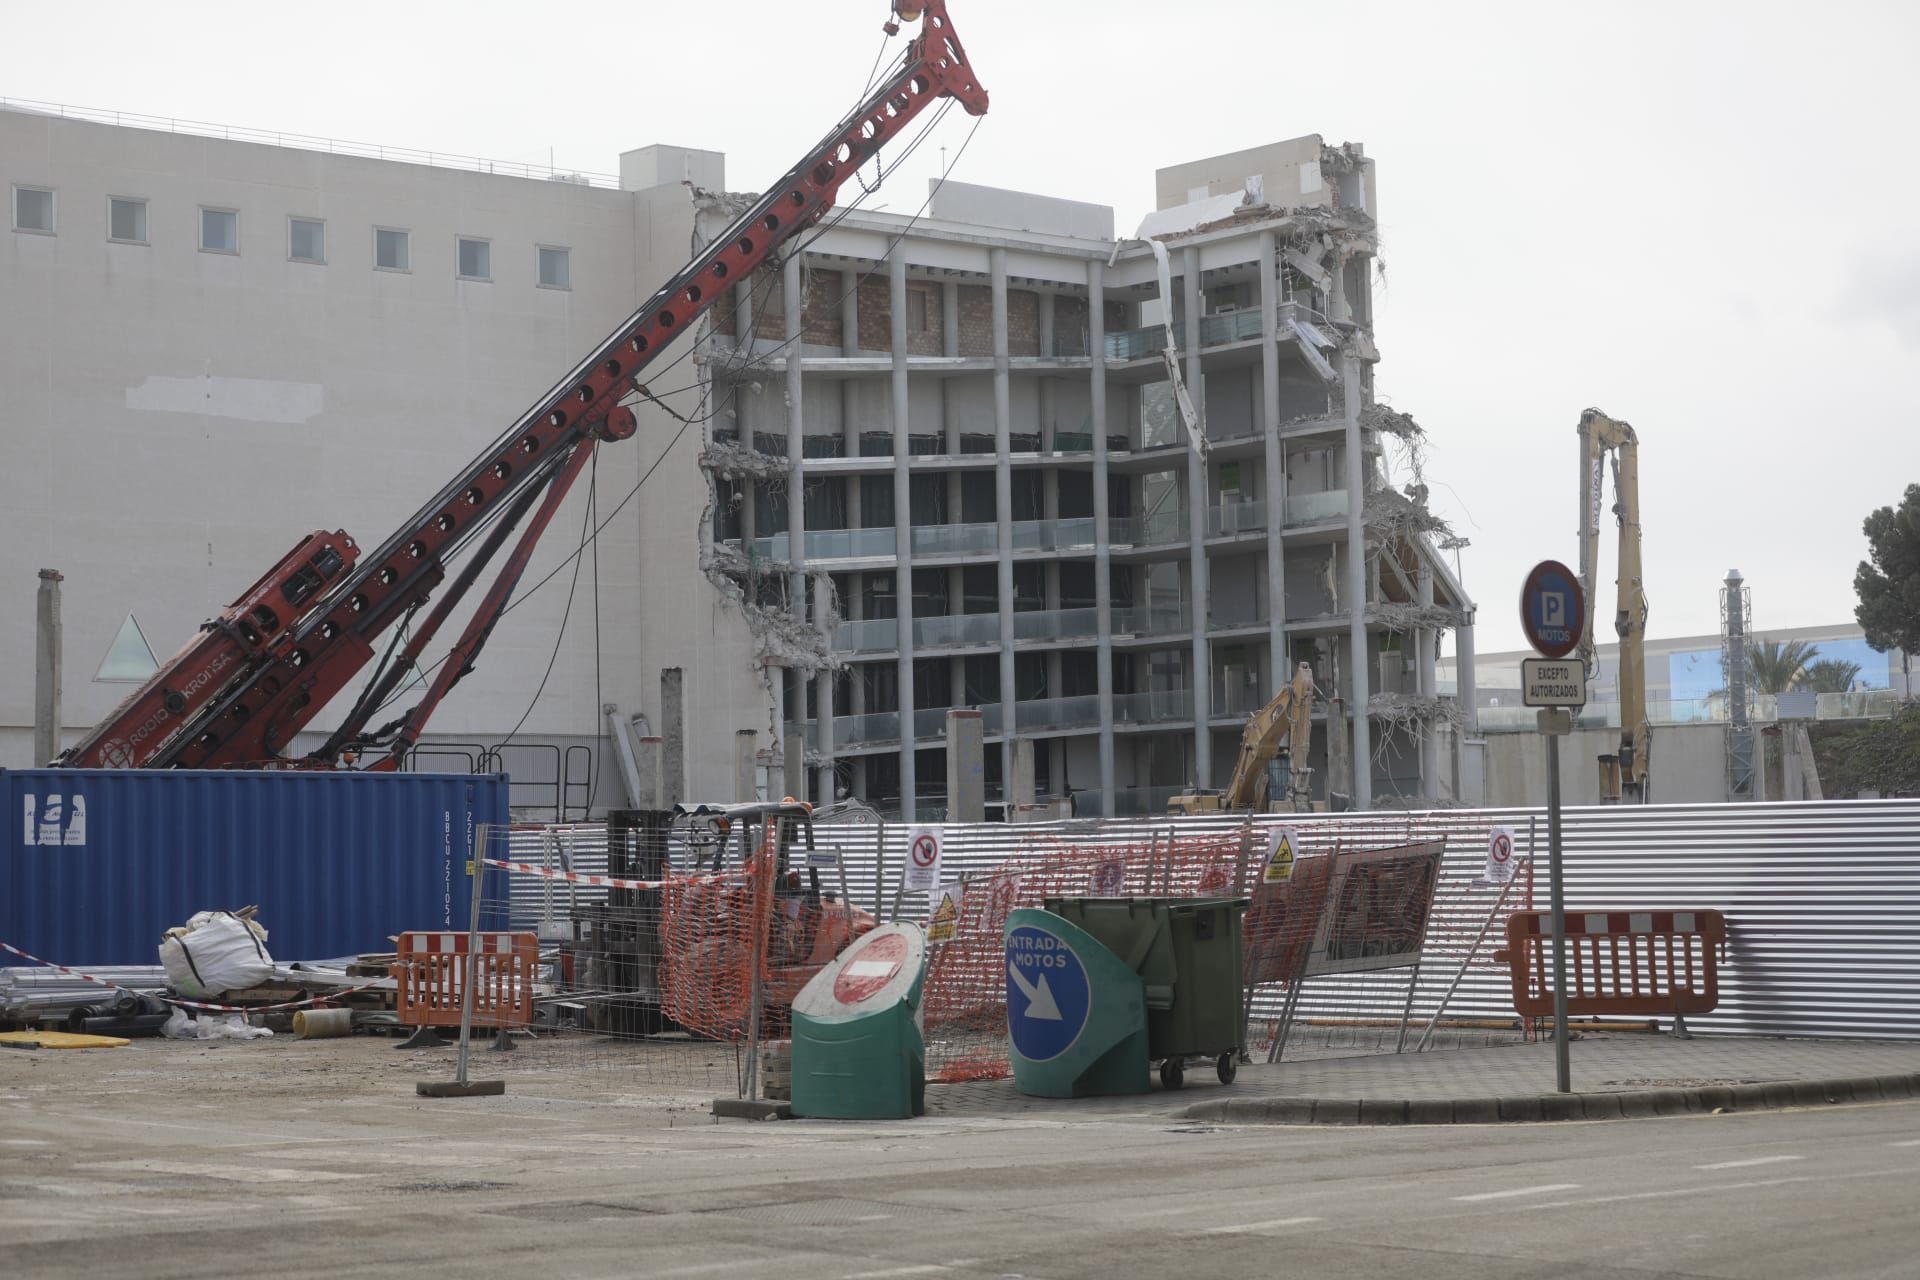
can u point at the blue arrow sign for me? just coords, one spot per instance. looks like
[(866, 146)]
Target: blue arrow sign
[(1048, 995)]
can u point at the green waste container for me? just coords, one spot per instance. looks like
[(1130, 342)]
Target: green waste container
[(1076, 1015), (1188, 953), (857, 1050)]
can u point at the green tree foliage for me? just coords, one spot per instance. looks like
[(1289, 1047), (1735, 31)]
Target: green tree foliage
[(1830, 675), (1776, 666), (1888, 583), (1876, 755)]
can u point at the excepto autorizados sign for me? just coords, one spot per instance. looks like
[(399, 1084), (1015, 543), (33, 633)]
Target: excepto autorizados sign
[(1553, 682)]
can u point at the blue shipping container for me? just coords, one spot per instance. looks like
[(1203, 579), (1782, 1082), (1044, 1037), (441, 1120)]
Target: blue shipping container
[(98, 862)]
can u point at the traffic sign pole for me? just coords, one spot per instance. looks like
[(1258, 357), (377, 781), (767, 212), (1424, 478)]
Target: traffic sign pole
[(1553, 611), (1551, 729)]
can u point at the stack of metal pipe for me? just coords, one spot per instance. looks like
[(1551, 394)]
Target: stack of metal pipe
[(44, 994)]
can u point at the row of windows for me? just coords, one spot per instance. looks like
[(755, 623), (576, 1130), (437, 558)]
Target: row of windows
[(33, 211)]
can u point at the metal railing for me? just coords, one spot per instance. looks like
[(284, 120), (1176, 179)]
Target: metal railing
[(307, 142)]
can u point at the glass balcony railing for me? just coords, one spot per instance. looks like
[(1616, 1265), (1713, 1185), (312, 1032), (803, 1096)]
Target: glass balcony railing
[(1312, 508), (1075, 534), (1215, 330), (1162, 528), (1237, 517), (1230, 326), (1056, 624), (955, 539), (869, 635), (1071, 535), (1153, 707), (1153, 620), (1041, 714), (956, 628)]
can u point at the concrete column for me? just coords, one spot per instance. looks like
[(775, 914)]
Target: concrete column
[(796, 448), (1424, 639), (950, 318), (1200, 665), (793, 766), (746, 745), (1279, 661), (646, 761), (1356, 586), (1019, 772), (1467, 680), (902, 524), (673, 734), (743, 316), (1046, 324), (1003, 501), (850, 346), (823, 700), (849, 312), (48, 652), (1102, 562), (966, 767)]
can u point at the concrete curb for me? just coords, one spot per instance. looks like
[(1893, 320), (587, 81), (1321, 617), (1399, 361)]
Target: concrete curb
[(1535, 1108)]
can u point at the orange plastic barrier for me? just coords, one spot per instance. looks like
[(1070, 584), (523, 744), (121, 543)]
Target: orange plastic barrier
[(431, 970), (1639, 963)]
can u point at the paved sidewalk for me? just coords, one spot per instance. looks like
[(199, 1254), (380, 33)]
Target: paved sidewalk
[(1614, 1076)]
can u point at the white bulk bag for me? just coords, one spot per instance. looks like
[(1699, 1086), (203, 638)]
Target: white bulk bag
[(213, 953)]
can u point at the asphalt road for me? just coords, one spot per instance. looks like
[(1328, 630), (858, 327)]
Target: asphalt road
[(137, 1177)]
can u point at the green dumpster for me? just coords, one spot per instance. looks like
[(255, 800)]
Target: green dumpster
[(1188, 954), (857, 1052), (1076, 1015)]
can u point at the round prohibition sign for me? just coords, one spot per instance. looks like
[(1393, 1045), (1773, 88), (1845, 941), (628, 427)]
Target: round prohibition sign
[(925, 852), (1502, 846)]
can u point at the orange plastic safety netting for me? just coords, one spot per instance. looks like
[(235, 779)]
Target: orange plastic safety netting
[(718, 933), (965, 998)]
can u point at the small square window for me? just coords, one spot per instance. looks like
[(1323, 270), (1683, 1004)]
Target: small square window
[(219, 231), (307, 240), (126, 219), (556, 268), (33, 209), (476, 259), (391, 250)]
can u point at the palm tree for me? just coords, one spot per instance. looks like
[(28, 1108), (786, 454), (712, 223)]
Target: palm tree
[(1831, 675), (1776, 666)]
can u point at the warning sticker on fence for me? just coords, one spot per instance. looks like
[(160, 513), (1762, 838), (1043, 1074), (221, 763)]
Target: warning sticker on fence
[(1108, 880), (1280, 852), (922, 874), (944, 920), (1500, 855)]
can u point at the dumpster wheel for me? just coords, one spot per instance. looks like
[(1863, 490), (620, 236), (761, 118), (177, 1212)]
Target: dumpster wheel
[(1228, 1067), (1172, 1073)]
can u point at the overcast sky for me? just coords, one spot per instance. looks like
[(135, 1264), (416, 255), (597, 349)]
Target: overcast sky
[(1700, 217)]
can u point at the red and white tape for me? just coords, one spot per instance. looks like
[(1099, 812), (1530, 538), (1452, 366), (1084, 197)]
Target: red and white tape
[(194, 1004), (605, 882)]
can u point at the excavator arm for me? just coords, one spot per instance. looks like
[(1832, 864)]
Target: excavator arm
[(260, 672), (1286, 722), (1601, 436)]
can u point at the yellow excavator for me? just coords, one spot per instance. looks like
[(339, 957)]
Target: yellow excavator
[(1623, 775), (1282, 730)]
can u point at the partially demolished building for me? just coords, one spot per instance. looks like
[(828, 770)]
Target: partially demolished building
[(1106, 491)]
